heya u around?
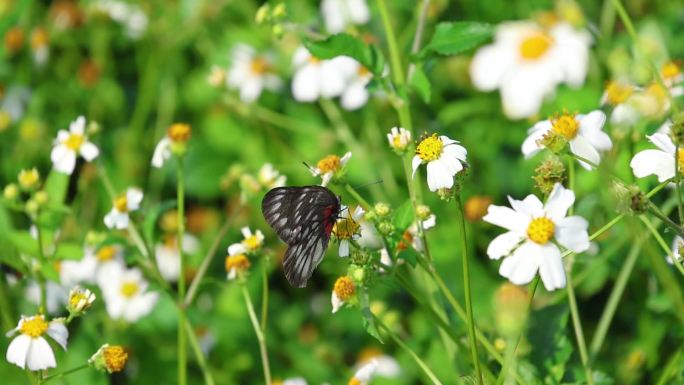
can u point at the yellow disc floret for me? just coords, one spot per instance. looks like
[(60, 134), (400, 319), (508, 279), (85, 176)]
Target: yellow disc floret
[(121, 204), (617, 93), (252, 242), (34, 327), (344, 288), (346, 228), (28, 179), (680, 159), (115, 358), (540, 230), (129, 289), (670, 71), (105, 253), (259, 66), (179, 132), (330, 163), (238, 262), (535, 45), (565, 125), (430, 148), (74, 141)]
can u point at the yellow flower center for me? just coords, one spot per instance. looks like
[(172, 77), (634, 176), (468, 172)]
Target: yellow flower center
[(39, 38), (115, 358), (330, 163), (121, 204), (397, 142), (258, 66), (28, 178), (354, 381), (345, 228), (252, 242), (76, 298), (34, 327), (179, 132), (363, 71), (368, 354), (670, 71), (430, 148), (344, 288), (105, 253), (239, 262), (74, 141), (658, 92), (540, 230), (565, 125), (680, 159), (314, 60), (129, 289), (535, 45), (617, 93)]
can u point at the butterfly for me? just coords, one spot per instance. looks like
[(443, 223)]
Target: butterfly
[(303, 217)]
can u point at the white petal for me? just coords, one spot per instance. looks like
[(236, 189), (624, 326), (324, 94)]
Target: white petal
[(531, 206), (59, 333), (78, 126), (336, 302), (571, 233), (330, 79), (653, 162), (344, 248), (455, 150), (551, 269), (415, 163), (582, 147), (40, 355), (591, 127), (559, 202), (17, 351), (663, 142), (133, 198), (489, 65), (251, 89), (503, 244), (89, 151), (450, 163), (354, 97), (358, 11), (438, 176), (305, 87), (507, 218), (334, 16), (530, 147), (66, 163), (162, 152), (523, 91), (522, 266)]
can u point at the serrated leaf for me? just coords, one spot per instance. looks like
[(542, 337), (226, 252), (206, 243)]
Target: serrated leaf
[(403, 216), (151, 219), (551, 347), (421, 84), (344, 44), (451, 38)]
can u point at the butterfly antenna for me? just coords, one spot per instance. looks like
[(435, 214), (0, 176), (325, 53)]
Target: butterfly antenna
[(369, 184), (307, 166)]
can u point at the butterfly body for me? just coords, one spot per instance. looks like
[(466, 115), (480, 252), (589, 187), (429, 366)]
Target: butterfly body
[(303, 217)]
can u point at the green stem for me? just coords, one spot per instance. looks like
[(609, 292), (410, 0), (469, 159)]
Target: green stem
[(579, 332), (64, 373), (41, 278), (266, 260), (408, 350), (182, 342), (614, 299), (199, 355), (355, 194), (261, 337), (663, 244), (466, 288), (670, 367), (677, 183), (653, 209), (418, 37)]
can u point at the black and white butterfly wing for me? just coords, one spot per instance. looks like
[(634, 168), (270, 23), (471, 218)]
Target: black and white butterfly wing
[(303, 217)]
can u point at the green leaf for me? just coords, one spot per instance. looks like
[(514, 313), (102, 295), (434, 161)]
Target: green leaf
[(69, 250), (49, 272), (344, 44), (151, 219), (56, 187), (24, 242), (403, 216), (551, 347), (453, 38), (421, 84)]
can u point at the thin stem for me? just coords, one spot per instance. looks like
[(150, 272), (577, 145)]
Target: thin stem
[(653, 209), (364, 203), (261, 338), (199, 355), (264, 292), (614, 299), (466, 288), (509, 360), (64, 373), (41, 278), (677, 182), (659, 239), (670, 367), (579, 332), (182, 342), (408, 350), (206, 261), (418, 37)]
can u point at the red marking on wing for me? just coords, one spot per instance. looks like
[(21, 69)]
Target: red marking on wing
[(327, 222)]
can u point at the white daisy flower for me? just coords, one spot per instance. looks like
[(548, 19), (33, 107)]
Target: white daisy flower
[(251, 73), (532, 229), (356, 94), (330, 166), (343, 291), (80, 300), (126, 296), (235, 263), (677, 243), (315, 78), (168, 257), (70, 144), (365, 373), (526, 62), (671, 73), (338, 14), (293, 381), (29, 349), (399, 138), (411, 233), (583, 132), (94, 267), (177, 135), (660, 162), (217, 76), (444, 158), (388, 366), (269, 177), (251, 242), (118, 217), (14, 102), (347, 229), (617, 95)]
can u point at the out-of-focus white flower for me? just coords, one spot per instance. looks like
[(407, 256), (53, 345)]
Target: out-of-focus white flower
[(126, 296), (168, 257), (617, 95), (270, 178), (355, 95), (236, 263), (343, 291), (660, 162), (251, 73), (40, 46), (347, 229), (444, 158), (177, 135), (677, 243), (251, 243), (94, 267), (671, 73), (387, 365), (399, 138), (130, 16), (330, 166), (315, 78), (14, 102), (29, 349), (80, 300), (118, 217), (338, 14), (70, 144), (583, 132), (217, 76), (56, 296), (365, 373), (526, 62), (532, 229)]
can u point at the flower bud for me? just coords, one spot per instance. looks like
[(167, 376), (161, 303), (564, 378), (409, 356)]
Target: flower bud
[(385, 228), (11, 192), (630, 199), (31, 207), (548, 173), (381, 209), (41, 198), (677, 129), (80, 301), (109, 358), (263, 14), (29, 179), (423, 212)]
